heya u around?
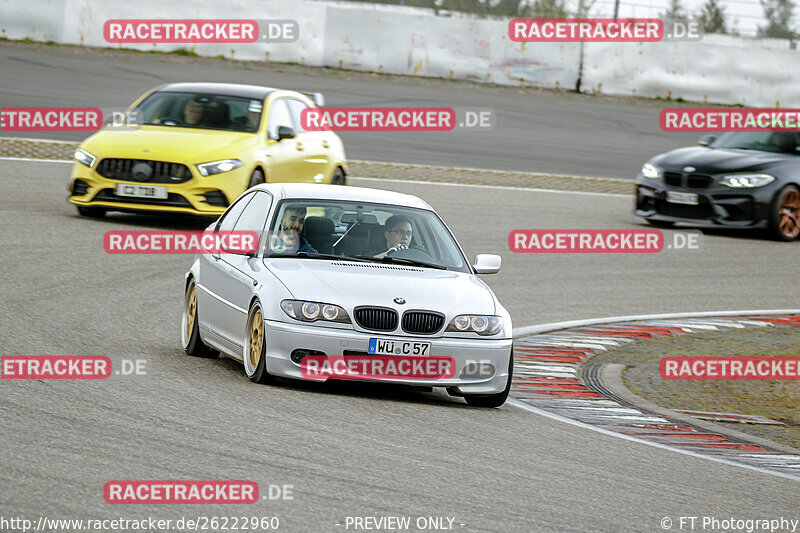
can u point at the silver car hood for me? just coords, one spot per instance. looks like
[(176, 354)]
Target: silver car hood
[(351, 284)]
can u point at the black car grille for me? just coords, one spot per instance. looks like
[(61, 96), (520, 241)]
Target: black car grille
[(422, 322), (698, 181), (673, 179), (172, 200), (693, 181), (376, 318), (144, 171)]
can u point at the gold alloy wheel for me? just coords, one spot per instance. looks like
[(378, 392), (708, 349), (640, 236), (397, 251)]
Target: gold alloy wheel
[(789, 213), (191, 311), (256, 338)]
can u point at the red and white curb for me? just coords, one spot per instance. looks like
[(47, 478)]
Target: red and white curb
[(549, 380)]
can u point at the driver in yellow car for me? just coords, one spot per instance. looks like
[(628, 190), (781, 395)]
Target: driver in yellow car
[(192, 113)]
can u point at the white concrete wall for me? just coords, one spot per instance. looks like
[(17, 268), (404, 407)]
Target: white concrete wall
[(414, 42)]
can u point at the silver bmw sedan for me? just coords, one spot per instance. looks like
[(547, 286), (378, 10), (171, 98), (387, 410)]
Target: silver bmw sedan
[(348, 283)]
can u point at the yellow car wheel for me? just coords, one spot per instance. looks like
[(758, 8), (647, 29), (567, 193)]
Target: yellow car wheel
[(91, 212), (338, 177), (257, 178)]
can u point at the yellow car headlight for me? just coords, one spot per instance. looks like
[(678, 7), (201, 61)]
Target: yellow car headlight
[(218, 167), (82, 156)]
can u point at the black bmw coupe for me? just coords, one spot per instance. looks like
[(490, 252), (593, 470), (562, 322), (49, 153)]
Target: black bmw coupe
[(743, 180)]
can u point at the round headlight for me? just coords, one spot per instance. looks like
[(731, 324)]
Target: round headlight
[(310, 310), (330, 312), (462, 323), (480, 323)]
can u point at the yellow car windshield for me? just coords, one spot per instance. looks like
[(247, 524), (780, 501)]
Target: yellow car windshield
[(202, 111)]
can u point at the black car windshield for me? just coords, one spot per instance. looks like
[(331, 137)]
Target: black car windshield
[(764, 141), (363, 231), (202, 111)]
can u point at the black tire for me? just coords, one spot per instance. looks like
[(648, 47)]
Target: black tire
[(338, 177), (493, 400), (255, 360), (91, 212), (660, 223), (256, 178), (192, 343), (784, 214)]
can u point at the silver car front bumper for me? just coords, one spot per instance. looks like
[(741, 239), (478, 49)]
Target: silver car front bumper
[(490, 355)]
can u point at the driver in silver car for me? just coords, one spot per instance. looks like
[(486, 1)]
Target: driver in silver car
[(398, 234)]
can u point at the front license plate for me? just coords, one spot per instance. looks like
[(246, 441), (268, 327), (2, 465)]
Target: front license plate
[(393, 347), (686, 198), (141, 191)]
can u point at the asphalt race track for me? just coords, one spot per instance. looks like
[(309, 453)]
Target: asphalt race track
[(537, 131), (349, 450)]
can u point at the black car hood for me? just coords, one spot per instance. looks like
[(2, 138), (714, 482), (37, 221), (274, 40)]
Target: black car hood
[(721, 160)]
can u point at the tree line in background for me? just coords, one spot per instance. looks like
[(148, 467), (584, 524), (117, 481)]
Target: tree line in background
[(712, 15)]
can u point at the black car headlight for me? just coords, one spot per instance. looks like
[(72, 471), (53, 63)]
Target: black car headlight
[(313, 311), (746, 181), (651, 171), (218, 167), (82, 156), (480, 324)]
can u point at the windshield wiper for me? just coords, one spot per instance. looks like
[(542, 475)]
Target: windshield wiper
[(402, 261)]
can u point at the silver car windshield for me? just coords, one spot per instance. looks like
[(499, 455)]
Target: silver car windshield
[(363, 231), (202, 111)]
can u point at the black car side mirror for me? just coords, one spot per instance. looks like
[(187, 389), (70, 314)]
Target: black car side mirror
[(706, 140), (285, 132)]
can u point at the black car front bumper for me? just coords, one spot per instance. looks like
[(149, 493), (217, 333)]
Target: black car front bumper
[(717, 204)]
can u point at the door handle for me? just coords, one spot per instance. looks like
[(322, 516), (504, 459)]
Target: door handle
[(299, 146)]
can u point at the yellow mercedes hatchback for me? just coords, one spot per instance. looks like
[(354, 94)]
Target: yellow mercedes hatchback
[(195, 147)]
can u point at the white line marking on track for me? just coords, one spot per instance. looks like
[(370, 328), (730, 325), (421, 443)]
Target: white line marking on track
[(527, 407), (35, 160), (501, 187), (416, 182)]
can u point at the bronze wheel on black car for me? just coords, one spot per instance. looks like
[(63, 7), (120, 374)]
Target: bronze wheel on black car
[(785, 214)]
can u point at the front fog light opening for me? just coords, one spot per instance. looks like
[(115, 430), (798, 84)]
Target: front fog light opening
[(301, 353)]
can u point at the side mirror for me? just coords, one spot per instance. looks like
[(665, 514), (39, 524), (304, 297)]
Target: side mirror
[(285, 132), (706, 140), (487, 264)]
